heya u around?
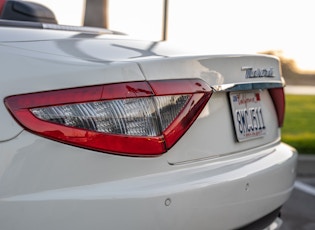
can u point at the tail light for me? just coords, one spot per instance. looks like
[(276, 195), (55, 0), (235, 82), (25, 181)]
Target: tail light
[(136, 118), (277, 95)]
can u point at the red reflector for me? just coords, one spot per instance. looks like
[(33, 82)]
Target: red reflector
[(136, 118), (277, 95)]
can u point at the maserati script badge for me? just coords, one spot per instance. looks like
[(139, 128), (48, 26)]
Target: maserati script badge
[(250, 72)]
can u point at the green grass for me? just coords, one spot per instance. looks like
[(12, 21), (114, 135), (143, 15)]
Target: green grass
[(299, 124)]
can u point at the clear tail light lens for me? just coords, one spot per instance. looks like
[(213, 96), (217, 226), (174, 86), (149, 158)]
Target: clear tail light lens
[(137, 118), (132, 117)]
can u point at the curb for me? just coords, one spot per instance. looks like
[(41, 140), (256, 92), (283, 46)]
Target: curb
[(306, 165)]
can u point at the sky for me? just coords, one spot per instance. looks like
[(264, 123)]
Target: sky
[(217, 26)]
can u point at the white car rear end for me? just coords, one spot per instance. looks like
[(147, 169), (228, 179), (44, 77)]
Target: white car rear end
[(190, 142)]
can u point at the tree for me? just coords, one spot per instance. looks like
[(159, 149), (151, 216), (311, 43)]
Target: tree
[(291, 73)]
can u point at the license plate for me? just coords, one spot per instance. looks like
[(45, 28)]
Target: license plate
[(248, 116)]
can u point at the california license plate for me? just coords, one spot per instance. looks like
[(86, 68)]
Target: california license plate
[(248, 116)]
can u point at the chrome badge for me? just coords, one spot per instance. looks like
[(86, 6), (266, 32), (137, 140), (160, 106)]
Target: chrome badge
[(250, 72)]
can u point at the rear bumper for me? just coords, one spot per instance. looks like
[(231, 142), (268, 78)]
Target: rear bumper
[(226, 194)]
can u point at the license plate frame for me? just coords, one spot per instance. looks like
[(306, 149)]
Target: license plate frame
[(247, 114)]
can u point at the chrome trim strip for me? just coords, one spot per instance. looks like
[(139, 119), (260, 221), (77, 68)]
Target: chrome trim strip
[(247, 86), (83, 29)]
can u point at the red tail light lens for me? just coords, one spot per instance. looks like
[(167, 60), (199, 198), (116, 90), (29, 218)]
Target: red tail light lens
[(277, 95), (137, 118)]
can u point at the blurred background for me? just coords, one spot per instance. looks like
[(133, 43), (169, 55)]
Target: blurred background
[(219, 26)]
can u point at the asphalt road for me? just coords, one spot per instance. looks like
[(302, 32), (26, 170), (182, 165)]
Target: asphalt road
[(298, 213)]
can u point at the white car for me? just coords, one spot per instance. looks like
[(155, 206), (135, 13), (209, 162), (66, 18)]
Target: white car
[(100, 131)]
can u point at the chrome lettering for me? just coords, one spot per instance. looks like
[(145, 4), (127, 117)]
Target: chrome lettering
[(250, 72)]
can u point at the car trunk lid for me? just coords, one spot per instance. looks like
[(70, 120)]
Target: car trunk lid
[(242, 112)]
